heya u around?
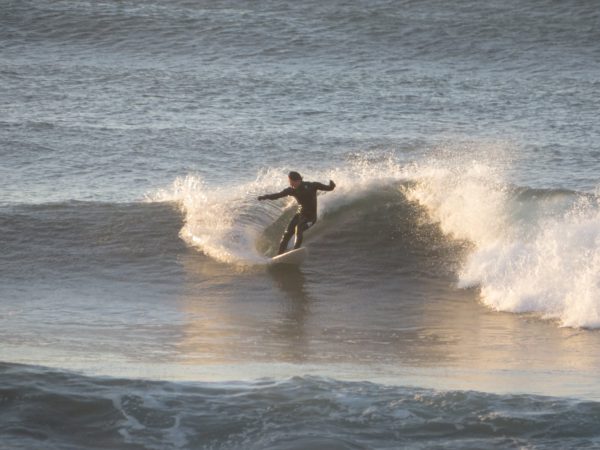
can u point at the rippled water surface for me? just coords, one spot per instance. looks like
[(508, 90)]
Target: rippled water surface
[(450, 297)]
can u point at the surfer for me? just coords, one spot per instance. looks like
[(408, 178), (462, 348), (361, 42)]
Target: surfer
[(305, 193)]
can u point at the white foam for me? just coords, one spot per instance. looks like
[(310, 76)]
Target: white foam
[(225, 221), (528, 255), (219, 220)]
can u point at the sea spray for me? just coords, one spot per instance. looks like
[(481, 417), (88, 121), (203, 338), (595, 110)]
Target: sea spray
[(218, 219), (554, 272), (532, 251), (226, 222)]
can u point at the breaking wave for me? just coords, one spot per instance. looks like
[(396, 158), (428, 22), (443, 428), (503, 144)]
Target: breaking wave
[(529, 250)]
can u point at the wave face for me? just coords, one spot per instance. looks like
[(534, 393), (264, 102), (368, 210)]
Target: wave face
[(60, 241), (528, 250), (52, 410)]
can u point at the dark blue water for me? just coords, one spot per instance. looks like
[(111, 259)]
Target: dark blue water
[(298, 413)]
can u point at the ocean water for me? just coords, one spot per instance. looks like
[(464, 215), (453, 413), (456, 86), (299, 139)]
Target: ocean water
[(451, 297)]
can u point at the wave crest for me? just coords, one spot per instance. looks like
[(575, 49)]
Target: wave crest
[(531, 250)]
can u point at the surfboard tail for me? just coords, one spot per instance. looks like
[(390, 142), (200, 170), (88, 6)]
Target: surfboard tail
[(293, 257)]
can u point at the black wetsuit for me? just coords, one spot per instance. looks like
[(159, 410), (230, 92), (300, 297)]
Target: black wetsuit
[(306, 216)]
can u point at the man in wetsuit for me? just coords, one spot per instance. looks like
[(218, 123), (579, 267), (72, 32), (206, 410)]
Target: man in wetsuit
[(305, 193)]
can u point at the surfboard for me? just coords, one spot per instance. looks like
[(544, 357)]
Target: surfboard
[(293, 257)]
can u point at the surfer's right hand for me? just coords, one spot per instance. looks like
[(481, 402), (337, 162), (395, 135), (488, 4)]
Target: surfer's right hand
[(262, 197)]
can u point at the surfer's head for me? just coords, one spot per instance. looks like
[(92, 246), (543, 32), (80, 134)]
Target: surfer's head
[(295, 179)]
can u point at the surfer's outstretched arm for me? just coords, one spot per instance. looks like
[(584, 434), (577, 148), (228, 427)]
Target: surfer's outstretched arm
[(281, 194), (325, 187)]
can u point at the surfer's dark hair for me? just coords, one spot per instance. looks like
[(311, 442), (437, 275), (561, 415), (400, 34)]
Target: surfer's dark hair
[(295, 176)]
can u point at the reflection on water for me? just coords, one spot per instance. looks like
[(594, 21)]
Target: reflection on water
[(295, 309), (233, 323), (290, 280), (256, 314), (259, 318)]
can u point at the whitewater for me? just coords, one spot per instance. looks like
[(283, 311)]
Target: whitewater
[(521, 240)]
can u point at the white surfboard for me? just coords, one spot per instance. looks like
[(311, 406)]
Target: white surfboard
[(293, 257)]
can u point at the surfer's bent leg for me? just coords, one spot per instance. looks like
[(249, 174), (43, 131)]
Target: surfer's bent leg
[(289, 232), (303, 225)]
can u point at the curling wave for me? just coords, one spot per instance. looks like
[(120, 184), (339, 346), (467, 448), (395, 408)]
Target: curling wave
[(533, 250), (529, 250)]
